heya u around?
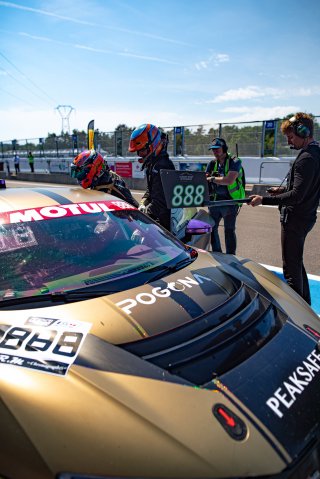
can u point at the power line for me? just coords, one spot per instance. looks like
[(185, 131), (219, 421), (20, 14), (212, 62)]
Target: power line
[(15, 96), (25, 86), (29, 79)]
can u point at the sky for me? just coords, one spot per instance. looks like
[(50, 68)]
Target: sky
[(170, 63)]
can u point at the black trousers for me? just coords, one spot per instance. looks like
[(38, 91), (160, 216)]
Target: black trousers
[(161, 216), (293, 235)]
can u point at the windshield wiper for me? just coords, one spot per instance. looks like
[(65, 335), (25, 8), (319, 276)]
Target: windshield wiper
[(168, 269), (56, 297)]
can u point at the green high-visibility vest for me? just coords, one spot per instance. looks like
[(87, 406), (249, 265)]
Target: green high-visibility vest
[(237, 188)]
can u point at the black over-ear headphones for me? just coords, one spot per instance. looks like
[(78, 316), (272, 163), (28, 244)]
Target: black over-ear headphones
[(223, 144), (299, 128)]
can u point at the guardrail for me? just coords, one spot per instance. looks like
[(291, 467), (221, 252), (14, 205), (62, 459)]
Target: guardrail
[(289, 163), (130, 168)]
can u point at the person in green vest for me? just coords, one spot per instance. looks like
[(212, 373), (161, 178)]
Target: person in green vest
[(226, 181), (31, 161)]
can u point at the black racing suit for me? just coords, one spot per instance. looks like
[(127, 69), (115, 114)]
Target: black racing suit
[(154, 198), (111, 183), (298, 213)]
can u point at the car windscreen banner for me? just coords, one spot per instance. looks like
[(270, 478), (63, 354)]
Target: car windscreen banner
[(60, 211), (183, 189)]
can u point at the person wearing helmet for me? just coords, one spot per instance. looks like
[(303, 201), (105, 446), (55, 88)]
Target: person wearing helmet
[(91, 171), (151, 145)]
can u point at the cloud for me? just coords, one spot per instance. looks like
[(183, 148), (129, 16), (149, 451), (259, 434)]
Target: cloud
[(36, 37), (245, 113), (127, 54), (222, 57), (92, 24), (252, 92), (214, 59), (307, 91), (101, 50), (246, 93), (44, 12)]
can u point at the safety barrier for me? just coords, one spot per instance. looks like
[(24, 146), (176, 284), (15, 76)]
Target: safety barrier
[(274, 169)]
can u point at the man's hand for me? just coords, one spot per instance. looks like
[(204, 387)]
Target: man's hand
[(256, 200), (276, 190), (142, 208)]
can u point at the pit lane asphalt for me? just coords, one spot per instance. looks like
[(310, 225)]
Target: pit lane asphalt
[(258, 233)]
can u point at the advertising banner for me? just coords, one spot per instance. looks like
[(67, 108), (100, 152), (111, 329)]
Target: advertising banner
[(136, 170), (124, 169)]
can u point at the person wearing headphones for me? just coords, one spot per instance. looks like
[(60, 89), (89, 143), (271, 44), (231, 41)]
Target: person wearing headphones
[(298, 201), (226, 181), (151, 145)]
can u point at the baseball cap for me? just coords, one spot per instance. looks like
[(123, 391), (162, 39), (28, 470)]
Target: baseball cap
[(217, 143)]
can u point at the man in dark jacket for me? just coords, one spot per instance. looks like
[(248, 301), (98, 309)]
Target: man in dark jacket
[(298, 201), (150, 144)]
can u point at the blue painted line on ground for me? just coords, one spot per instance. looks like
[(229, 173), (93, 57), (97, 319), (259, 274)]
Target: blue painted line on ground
[(314, 283)]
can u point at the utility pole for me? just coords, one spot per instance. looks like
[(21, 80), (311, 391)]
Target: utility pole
[(65, 112)]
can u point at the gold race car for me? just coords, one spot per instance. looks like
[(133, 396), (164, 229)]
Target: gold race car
[(127, 353)]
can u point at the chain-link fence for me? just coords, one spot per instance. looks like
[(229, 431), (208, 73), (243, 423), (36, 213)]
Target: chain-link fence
[(259, 138)]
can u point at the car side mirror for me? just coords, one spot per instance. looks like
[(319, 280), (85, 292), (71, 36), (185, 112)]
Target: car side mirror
[(3, 183), (197, 227)]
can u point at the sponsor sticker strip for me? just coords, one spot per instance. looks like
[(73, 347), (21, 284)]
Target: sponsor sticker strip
[(286, 395), (146, 298), (59, 211)]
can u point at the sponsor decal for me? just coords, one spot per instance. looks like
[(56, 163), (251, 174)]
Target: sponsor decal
[(59, 211), (150, 298), (39, 321), (286, 395), (43, 344)]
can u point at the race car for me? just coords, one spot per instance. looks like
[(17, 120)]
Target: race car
[(125, 352)]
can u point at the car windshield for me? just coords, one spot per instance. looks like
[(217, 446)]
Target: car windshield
[(75, 252)]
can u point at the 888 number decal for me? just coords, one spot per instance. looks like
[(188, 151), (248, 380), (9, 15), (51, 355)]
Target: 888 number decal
[(67, 343), (44, 349), (188, 195)]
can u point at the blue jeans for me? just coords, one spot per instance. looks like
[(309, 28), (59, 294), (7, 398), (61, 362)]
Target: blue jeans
[(229, 215)]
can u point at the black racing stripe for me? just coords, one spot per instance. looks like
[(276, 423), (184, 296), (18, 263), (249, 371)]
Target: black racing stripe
[(100, 355), (189, 305), (193, 308), (51, 194)]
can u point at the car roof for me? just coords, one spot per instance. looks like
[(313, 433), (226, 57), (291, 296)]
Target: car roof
[(12, 199)]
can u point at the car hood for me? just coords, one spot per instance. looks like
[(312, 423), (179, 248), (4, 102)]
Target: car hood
[(211, 368), (114, 424)]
